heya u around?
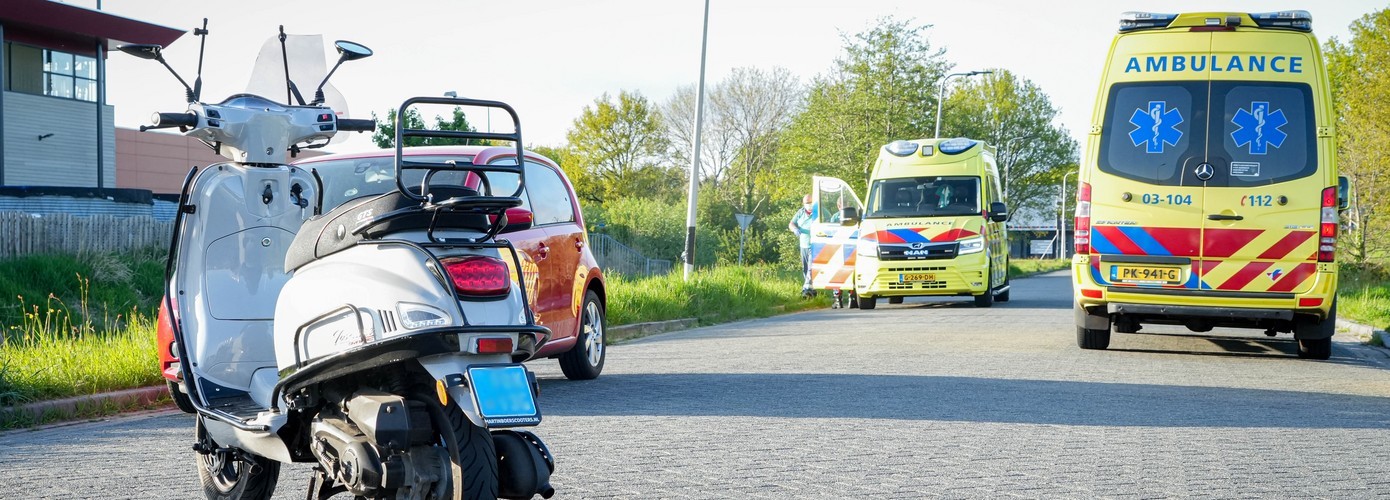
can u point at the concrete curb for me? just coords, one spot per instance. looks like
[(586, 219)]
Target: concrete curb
[(627, 332), (69, 408), (1364, 333)]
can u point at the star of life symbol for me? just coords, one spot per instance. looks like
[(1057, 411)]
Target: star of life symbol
[(1155, 126), (1259, 128)]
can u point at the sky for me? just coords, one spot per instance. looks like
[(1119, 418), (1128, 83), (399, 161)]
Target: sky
[(550, 59)]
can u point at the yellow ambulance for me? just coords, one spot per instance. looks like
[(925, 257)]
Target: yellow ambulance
[(1209, 194), (933, 226)]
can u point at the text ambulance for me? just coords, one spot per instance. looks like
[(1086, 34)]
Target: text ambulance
[(1209, 193)]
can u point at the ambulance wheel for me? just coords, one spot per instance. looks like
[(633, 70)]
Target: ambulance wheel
[(868, 302), (895, 300), (986, 299), (1315, 348), (1087, 338)]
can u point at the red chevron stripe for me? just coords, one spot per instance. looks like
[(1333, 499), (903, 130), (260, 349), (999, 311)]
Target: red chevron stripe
[(953, 235), (1286, 244), (1121, 242), (1245, 276), (1226, 242), (1294, 278), (888, 237), (1182, 242), (839, 278)]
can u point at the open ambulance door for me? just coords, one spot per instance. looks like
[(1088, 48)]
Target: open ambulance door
[(832, 243)]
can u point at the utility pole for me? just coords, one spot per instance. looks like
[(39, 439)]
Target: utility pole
[(689, 253)]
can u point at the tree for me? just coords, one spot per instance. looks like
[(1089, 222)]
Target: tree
[(1360, 74), (1018, 119), (622, 145), (745, 115), (385, 135), (882, 88)]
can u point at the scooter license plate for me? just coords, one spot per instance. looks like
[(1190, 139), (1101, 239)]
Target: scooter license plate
[(503, 394)]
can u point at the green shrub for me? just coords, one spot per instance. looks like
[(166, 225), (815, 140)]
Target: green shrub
[(1363, 293), (713, 295)]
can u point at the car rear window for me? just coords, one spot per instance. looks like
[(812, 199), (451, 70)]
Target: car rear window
[(1254, 133), (1152, 129), (1267, 133)]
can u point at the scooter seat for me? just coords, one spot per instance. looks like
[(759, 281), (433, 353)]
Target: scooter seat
[(332, 232)]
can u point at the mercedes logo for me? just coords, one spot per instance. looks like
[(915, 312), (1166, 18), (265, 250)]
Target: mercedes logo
[(1205, 171), (917, 245)]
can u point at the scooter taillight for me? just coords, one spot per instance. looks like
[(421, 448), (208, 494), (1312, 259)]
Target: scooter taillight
[(478, 276)]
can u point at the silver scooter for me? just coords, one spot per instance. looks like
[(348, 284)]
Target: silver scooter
[(379, 340)]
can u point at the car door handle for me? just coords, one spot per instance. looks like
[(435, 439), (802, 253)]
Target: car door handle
[(1224, 217)]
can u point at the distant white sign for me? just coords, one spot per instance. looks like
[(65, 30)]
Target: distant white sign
[(1041, 247)]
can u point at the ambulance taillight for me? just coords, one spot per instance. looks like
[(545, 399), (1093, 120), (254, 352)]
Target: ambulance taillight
[(1327, 234), (1082, 235)]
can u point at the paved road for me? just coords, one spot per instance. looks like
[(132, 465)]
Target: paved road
[(925, 399)]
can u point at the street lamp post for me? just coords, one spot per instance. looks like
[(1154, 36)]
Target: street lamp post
[(1062, 219), (941, 96), (689, 255)]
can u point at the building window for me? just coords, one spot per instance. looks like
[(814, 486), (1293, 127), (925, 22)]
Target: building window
[(53, 73)]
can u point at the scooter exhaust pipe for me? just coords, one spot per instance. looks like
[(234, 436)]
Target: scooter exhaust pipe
[(524, 465)]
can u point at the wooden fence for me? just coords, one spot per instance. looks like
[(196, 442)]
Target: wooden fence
[(26, 234)]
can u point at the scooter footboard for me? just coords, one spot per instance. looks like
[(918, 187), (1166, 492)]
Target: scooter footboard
[(492, 395)]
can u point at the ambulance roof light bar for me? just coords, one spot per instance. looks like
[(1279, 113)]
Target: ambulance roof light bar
[(1134, 20), (1299, 20)]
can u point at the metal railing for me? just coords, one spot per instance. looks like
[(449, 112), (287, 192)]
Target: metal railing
[(615, 257)]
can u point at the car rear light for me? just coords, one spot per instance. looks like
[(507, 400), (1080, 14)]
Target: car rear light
[(1309, 302), (1082, 232), (1327, 236), (494, 345), (1094, 294), (478, 276)]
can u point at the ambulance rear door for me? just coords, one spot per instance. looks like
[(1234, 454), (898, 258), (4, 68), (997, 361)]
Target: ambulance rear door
[(832, 243)]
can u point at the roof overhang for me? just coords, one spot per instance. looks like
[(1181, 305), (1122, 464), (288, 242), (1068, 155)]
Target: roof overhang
[(63, 21)]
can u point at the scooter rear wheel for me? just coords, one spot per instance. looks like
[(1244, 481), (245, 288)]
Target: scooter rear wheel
[(473, 460), (225, 477)]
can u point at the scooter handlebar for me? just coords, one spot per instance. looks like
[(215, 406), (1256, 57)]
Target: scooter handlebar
[(168, 120), (351, 125)]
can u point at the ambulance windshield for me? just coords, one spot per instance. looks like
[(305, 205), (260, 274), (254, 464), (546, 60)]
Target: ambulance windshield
[(924, 197)]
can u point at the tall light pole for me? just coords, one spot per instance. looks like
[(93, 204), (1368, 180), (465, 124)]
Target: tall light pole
[(941, 97), (1062, 218), (1008, 166), (689, 253)]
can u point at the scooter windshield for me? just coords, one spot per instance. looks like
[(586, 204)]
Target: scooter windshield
[(307, 67)]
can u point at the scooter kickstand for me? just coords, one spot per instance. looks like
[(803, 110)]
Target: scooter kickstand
[(321, 487)]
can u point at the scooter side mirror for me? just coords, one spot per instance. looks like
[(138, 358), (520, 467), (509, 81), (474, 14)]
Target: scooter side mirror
[(142, 50), (347, 51), (352, 51), (518, 219)]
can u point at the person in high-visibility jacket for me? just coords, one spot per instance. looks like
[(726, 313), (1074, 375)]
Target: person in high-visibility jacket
[(801, 225)]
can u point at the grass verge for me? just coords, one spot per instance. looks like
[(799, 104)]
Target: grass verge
[(1363, 294), (713, 295), (1020, 268)]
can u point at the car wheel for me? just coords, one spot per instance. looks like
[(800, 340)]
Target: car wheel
[(180, 399), (585, 360), (895, 300), (868, 302), (1087, 338)]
